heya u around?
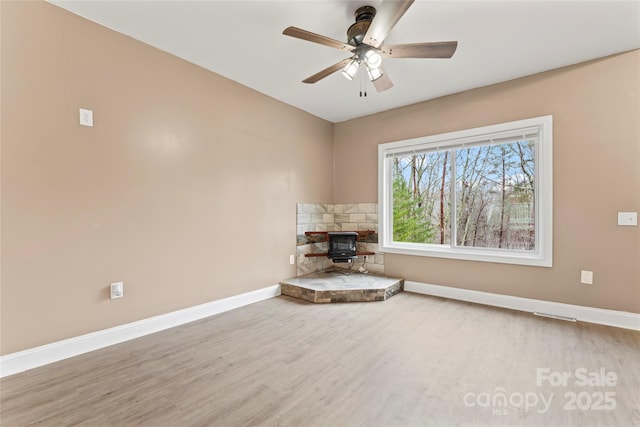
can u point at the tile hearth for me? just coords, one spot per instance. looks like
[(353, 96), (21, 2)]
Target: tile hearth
[(340, 285)]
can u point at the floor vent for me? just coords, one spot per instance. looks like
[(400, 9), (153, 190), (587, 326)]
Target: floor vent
[(553, 316)]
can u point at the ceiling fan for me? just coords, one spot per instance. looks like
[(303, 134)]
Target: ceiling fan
[(365, 41)]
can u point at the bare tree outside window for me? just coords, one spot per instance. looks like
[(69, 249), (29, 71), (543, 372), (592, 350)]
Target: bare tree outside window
[(494, 193)]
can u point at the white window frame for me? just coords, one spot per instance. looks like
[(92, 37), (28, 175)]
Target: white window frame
[(542, 256)]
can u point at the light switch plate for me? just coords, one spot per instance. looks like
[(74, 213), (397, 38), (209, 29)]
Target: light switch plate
[(628, 218), (86, 117)]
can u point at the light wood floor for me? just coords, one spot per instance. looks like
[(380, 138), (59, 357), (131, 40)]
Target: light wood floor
[(411, 360)]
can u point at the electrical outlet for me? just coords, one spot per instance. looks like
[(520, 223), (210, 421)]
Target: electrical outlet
[(586, 277), (86, 117), (292, 259), (117, 290)]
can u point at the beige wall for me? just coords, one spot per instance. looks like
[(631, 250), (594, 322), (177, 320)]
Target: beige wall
[(181, 163), (182, 169), (596, 113)]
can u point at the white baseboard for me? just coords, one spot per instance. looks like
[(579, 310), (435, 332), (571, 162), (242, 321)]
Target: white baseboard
[(32, 358), (619, 319)]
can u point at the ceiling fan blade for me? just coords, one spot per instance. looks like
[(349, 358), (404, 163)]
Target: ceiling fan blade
[(388, 14), (327, 71), (383, 83), (420, 50), (317, 38)]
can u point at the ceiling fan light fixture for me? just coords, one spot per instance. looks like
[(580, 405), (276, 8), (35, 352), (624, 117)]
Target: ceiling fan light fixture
[(374, 73), (365, 39), (373, 58), (351, 69)]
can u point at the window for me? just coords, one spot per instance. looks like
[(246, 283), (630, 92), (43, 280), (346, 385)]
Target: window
[(482, 194)]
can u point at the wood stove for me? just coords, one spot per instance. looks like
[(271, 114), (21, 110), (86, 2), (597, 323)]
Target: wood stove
[(342, 246)]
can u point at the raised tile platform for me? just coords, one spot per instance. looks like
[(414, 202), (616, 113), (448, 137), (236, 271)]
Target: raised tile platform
[(341, 286)]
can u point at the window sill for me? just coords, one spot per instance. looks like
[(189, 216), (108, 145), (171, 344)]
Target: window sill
[(469, 254)]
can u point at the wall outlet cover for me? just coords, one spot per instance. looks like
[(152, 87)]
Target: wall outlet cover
[(586, 277), (117, 290), (86, 117)]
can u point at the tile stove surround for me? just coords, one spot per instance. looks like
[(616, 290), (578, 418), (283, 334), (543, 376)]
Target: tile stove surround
[(338, 285), (336, 217)]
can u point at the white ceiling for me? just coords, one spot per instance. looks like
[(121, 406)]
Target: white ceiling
[(498, 41)]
